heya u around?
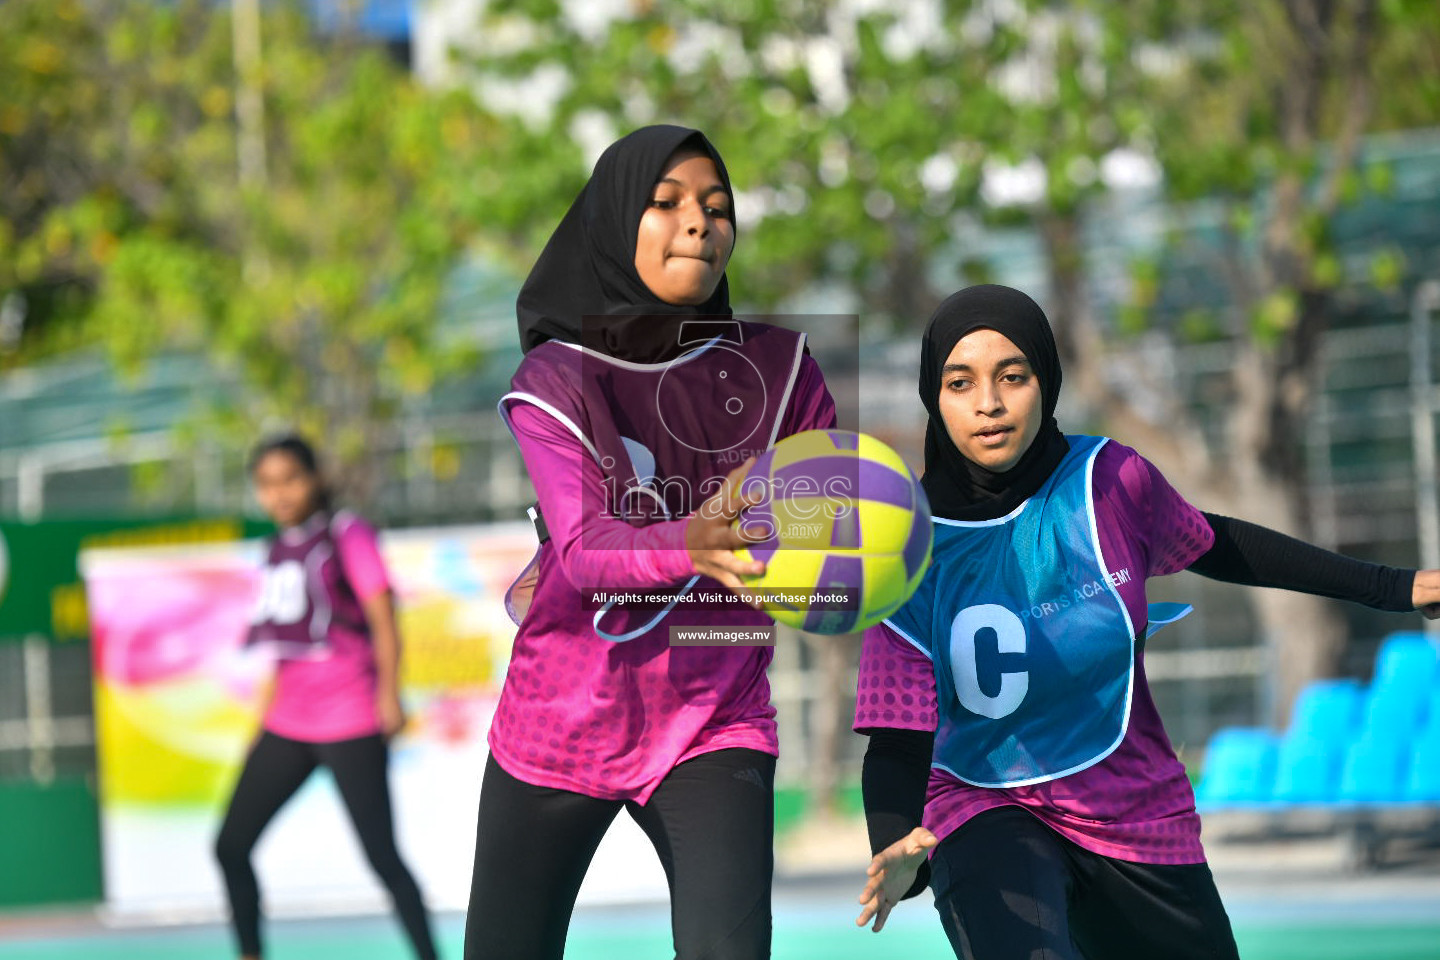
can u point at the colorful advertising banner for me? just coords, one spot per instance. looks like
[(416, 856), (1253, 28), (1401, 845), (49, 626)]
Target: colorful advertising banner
[(40, 590), (176, 708), (49, 815)]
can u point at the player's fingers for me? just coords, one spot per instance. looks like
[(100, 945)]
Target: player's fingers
[(719, 509), (743, 486), (734, 477), (742, 494), (736, 567), (867, 912), (729, 560), (882, 915), (710, 530), (736, 586), (725, 503), (752, 492), (872, 887), (753, 530), (745, 534)]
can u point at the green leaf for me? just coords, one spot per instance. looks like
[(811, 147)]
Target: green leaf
[(1274, 316)]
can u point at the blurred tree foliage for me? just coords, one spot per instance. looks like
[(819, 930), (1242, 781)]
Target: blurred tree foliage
[(124, 221), (865, 136), (857, 131)]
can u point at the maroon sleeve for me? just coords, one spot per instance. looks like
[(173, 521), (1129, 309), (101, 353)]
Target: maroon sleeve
[(896, 686), (1168, 529), (811, 406)]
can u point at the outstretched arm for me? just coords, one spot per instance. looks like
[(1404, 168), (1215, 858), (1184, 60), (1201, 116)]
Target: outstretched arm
[(892, 783), (897, 768), (1257, 556)]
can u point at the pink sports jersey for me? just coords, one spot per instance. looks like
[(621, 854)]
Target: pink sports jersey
[(611, 720), (333, 698), (1137, 803)]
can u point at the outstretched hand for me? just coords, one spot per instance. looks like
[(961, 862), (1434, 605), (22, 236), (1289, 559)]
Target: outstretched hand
[(1426, 593), (712, 540), (891, 874)]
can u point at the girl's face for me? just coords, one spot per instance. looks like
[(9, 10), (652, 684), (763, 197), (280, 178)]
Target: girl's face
[(990, 400), (685, 236), (286, 490)]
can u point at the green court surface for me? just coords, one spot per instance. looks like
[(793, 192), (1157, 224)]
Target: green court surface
[(813, 922), (320, 941)]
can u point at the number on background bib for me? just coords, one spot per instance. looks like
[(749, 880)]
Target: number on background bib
[(282, 595), (964, 637)]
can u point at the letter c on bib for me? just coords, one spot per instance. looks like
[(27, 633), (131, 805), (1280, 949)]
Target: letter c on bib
[(1010, 634)]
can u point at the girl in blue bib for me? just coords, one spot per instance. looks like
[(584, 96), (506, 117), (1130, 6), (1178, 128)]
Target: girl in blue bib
[(1007, 699)]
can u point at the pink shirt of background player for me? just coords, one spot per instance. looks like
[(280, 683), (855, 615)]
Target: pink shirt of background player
[(1136, 804), (321, 701), (610, 720)]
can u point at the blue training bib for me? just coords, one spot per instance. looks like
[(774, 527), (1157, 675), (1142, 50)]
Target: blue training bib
[(1033, 648)]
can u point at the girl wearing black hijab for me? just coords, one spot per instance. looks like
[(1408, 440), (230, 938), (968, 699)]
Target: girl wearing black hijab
[(637, 407), (1007, 700)]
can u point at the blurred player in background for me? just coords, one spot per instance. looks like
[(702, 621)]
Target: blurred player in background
[(1059, 822), (327, 612), (639, 393)]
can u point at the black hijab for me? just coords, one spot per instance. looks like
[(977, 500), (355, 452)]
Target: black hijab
[(957, 488), (587, 269)]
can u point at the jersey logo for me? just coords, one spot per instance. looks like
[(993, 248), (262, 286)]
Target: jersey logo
[(283, 599)]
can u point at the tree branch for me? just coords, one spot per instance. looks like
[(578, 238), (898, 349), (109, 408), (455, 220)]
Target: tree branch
[(1354, 76)]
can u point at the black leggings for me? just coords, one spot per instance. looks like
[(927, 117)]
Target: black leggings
[(712, 821), (274, 770), (1008, 887)]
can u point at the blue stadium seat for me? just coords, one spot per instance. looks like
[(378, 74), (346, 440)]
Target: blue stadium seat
[(1429, 725), (1374, 768), (1239, 768), (1327, 711), (1422, 785), (1307, 770), (1408, 661), (1393, 709), (1227, 735)]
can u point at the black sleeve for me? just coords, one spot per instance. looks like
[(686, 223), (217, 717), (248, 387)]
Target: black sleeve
[(892, 782), (542, 532), (1257, 556)]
